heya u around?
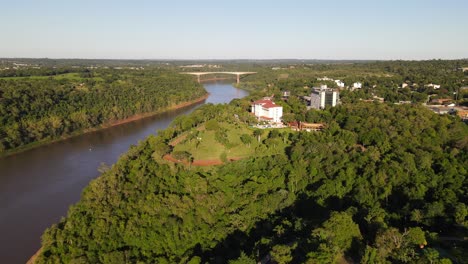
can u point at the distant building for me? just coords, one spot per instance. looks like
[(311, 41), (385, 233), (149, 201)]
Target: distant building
[(325, 79), (357, 85), (439, 110), (322, 97), (311, 126), (404, 85), (463, 114), (267, 110), (435, 86), (303, 126), (286, 94), (378, 99), (441, 101), (340, 83), (404, 102), (193, 66)]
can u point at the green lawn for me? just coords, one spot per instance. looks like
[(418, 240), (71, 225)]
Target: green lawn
[(206, 147)]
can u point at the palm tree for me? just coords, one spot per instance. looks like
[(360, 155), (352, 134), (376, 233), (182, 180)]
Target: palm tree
[(258, 133)]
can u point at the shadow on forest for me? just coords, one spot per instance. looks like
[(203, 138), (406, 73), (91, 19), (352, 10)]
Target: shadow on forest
[(306, 209)]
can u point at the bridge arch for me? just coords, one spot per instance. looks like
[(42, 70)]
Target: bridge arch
[(238, 74)]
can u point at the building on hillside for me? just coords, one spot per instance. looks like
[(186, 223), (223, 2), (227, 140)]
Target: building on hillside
[(303, 126), (439, 110), (322, 97), (340, 84), (325, 79), (435, 86), (463, 114), (404, 102), (357, 85), (267, 110), (404, 85), (441, 101), (311, 126)]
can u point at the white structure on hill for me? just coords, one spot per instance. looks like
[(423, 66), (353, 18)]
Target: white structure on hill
[(357, 85), (340, 83), (267, 110), (435, 86), (322, 97), (325, 79)]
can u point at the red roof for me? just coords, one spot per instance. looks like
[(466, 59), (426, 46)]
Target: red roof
[(262, 101), (270, 105), (266, 103)]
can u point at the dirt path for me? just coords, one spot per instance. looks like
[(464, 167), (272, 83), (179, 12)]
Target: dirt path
[(210, 162)]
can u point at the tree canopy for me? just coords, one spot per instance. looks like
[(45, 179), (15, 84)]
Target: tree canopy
[(378, 185)]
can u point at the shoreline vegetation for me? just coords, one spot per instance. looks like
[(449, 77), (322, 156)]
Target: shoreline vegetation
[(382, 183), (102, 127), (73, 101), (298, 197)]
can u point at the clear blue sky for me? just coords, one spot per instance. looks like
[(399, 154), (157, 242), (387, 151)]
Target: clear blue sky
[(255, 29)]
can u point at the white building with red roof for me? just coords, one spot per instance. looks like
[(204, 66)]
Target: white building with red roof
[(267, 110)]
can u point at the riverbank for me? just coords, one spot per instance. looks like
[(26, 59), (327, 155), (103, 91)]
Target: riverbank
[(103, 126), (216, 79), (32, 260), (42, 183)]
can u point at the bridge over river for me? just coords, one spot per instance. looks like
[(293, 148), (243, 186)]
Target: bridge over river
[(238, 74)]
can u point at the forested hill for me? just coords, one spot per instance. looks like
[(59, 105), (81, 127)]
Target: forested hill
[(42, 108), (382, 184)]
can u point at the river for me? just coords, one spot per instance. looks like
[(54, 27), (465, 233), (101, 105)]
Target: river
[(38, 186)]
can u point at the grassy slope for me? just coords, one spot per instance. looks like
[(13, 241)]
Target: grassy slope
[(210, 149)]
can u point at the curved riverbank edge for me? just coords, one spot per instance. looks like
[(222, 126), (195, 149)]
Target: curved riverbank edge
[(216, 79), (104, 126), (33, 258)]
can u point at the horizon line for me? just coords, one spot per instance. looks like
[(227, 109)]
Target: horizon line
[(226, 59)]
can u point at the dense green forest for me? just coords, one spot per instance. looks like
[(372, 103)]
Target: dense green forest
[(48, 103), (383, 183)]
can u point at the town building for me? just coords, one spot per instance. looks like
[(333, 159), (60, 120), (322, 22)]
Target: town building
[(340, 84), (463, 114), (435, 86), (325, 79), (303, 126), (404, 102), (322, 97), (357, 85), (285, 94), (267, 110), (441, 101)]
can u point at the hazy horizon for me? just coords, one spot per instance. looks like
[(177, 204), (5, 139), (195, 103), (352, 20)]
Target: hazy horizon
[(210, 30), (227, 59)]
